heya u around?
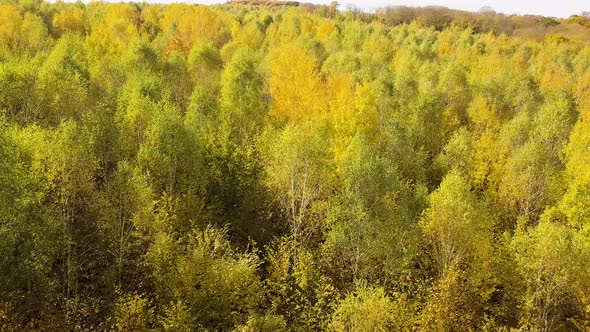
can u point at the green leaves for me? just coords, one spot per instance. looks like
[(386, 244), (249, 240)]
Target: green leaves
[(369, 309), (553, 261), (206, 279), (300, 174), (243, 106), (459, 226)]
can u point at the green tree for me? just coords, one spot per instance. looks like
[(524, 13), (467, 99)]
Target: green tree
[(204, 276), (552, 261), (300, 174), (460, 230), (63, 81), (29, 235), (370, 309), (295, 288)]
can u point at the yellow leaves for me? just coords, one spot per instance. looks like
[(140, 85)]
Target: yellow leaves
[(300, 173), (73, 20), (483, 114), (366, 309), (552, 262), (489, 68), (485, 156), (288, 29), (552, 80), (298, 91), (451, 121), (581, 89), (458, 225), (577, 151), (112, 29), (248, 36), (556, 39), (9, 28), (368, 109), (378, 47), (448, 306), (151, 15), (133, 312), (325, 30), (453, 84), (341, 99), (502, 58), (294, 83), (445, 43), (552, 66), (21, 33), (191, 24), (343, 117)]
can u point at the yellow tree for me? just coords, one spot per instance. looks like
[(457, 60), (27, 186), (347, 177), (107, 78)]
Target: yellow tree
[(112, 28), (19, 33), (70, 20), (294, 84), (185, 25)]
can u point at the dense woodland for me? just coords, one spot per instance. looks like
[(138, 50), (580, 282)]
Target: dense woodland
[(292, 168)]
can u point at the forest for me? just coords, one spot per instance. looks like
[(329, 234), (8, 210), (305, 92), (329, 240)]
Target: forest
[(266, 167)]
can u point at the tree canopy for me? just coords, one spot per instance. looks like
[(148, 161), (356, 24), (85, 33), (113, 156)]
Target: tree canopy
[(279, 166)]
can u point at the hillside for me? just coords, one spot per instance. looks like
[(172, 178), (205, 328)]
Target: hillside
[(280, 166)]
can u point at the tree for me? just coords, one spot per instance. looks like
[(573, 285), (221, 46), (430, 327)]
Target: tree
[(29, 235), (370, 309), (295, 287), (21, 34), (169, 156), (17, 86), (217, 286), (545, 255), (573, 204), (111, 29), (300, 174), (126, 224), (373, 208), (269, 166), (185, 25), (63, 81), (242, 98), (233, 155), (294, 84), (64, 162), (459, 228), (137, 102), (70, 20), (205, 64)]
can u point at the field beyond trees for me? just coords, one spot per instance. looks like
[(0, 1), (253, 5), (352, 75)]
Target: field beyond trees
[(261, 166)]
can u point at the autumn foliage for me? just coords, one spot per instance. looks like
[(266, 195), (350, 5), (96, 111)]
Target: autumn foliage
[(287, 167)]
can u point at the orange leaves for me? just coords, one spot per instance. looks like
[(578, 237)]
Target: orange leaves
[(175, 45)]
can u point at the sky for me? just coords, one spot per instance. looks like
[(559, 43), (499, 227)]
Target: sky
[(555, 8)]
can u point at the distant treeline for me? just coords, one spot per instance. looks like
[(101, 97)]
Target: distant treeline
[(439, 18)]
